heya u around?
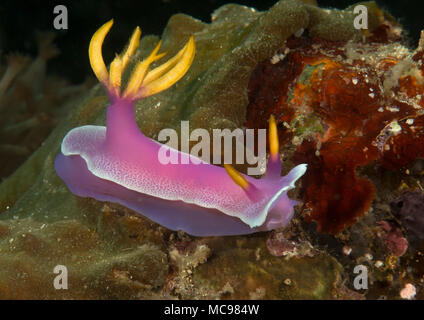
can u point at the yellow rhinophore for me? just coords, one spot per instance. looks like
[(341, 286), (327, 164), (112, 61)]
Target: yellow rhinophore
[(142, 82), (273, 137), (236, 176)]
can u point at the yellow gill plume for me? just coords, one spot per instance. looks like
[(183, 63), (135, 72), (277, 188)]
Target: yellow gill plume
[(143, 82), (95, 52), (140, 72), (169, 73)]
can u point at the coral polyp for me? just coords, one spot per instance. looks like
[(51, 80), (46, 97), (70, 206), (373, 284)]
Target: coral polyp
[(31, 101)]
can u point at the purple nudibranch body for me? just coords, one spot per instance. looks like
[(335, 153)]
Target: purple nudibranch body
[(117, 163)]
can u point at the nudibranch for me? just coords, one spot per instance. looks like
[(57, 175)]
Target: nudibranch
[(117, 163)]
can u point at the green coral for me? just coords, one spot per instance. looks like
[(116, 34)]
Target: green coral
[(253, 273)]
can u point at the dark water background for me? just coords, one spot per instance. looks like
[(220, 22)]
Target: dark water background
[(20, 19)]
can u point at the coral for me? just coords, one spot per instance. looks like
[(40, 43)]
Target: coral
[(31, 102), (340, 106), (408, 292), (409, 209), (265, 276), (97, 267), (279, 245), (393, 239), (343, 293), (15, 64), (186, 260)]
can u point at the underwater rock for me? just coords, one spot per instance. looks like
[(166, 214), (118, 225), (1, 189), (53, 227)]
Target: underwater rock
[(409, 209), (98, 268), (279, 245), (245, 266)]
